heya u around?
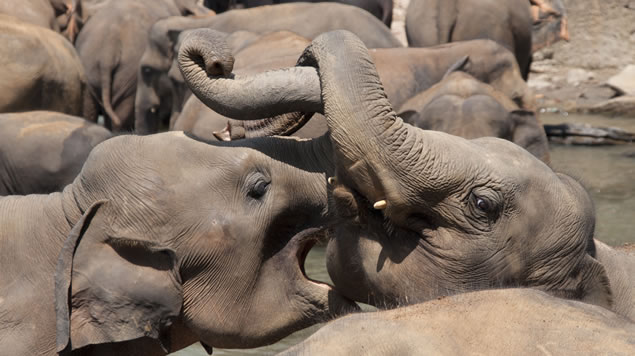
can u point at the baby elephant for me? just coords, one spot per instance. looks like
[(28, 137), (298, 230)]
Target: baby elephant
[(42, 151), (492, 322), (463, 106)]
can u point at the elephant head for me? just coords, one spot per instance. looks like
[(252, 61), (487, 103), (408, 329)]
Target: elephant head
[(182, 237), (463, 106), (420, 213)]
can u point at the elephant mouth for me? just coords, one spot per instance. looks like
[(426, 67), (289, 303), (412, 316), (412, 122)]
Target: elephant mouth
[(304, 242)]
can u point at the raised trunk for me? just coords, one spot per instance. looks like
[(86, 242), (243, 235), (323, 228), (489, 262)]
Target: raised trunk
[(206, 63)]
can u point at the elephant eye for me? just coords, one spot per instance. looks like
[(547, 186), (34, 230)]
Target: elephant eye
[(483, 205), (258, 189)]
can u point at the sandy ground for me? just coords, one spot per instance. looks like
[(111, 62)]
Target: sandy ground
[(572, 76)]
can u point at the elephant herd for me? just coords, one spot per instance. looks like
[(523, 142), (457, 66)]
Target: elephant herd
[(424, 171)]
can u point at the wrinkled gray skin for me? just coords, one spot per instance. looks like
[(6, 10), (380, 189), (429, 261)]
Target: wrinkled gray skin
[(420, 213), (508, 22), (463, 106), (493, 322), (148, 247), (40, 70), (110, 46), (43, 151), (404, 72), (155, 104)]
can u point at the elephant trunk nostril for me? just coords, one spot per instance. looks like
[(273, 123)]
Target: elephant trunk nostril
[(215, 68)]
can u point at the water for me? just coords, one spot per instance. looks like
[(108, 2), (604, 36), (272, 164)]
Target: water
[(606, 172)]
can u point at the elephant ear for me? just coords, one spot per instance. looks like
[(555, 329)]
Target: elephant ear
[(588, 283), (529, 133), (459, 66), (111, 288)]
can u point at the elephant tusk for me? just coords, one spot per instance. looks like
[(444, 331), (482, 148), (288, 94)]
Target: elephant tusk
[(380, 205), (331, 180)]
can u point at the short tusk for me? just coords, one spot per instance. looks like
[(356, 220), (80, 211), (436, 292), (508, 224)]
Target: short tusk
[(331, 180), (380, 205)]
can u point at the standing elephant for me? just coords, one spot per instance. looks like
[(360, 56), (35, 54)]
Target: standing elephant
[(57, 15), (43, 151), (147, 251), (493, 322), (420, 213), (463, 106), (110, 46), (40, 70), (508, 22), (381, 9), (154, 104)]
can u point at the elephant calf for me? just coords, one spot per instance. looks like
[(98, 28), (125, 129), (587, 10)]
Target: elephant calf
[(421, 214), (463, 106), (43, 151), (494, 322), (164, 240)]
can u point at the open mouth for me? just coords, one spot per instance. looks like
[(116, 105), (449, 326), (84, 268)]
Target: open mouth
[(305, 241)]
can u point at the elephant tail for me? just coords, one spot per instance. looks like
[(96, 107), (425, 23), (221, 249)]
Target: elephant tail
[(106, 93)]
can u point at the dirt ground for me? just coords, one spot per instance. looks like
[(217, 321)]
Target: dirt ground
[(572, 76)]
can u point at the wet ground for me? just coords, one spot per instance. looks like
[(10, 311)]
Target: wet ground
[(607, 172)]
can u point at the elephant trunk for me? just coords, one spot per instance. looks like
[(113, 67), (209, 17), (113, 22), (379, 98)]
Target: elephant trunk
[(206, 63)]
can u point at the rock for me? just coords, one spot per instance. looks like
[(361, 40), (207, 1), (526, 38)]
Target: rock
[(539, 82), (624, 81), (577, 75), (598, 92), (620, 106)]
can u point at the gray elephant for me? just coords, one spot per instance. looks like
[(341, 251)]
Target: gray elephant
[(508, 22), (41, 71), (421, 213), (493, 322), (110, 46), (43, 151), (404, 72), (463, 106), (154, 104), (147, 251), (58, 15)]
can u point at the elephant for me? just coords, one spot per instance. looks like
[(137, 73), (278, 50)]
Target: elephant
[(419, 214), (58, 15), (550, 23), (153, 102), (43, 151), (110, 46), (381, 9), (463, 106), (508, 22), (404, 71), (492, 322), (41, 71), (147, 251)]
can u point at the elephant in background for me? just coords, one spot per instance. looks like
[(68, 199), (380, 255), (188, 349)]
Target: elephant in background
[(420, 214), (43, 151), (155, 105), (508, 22), (147, 251), (493, 322), (110, 46), (550, 23), (463, 106), (41, 71), (58, 15)]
